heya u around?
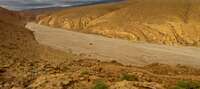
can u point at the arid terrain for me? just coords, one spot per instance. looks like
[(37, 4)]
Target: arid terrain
[(108, 49), (33, 56), (170, 22)]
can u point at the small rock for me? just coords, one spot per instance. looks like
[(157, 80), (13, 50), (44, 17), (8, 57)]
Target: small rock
[(17, 88), (82, 78), (90, 43), (65, 82)]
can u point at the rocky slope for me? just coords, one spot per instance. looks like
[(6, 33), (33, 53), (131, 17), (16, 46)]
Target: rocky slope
[(21, 57), (18, 49), (170, 22)]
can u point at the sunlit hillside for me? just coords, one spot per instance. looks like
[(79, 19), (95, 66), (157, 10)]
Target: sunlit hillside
[(170, 22)]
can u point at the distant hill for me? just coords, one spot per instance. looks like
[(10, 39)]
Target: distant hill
[(170, 22)]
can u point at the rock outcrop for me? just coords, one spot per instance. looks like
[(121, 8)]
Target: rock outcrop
[(170, 22)]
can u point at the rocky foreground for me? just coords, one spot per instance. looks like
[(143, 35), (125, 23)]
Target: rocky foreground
[(170, 22)]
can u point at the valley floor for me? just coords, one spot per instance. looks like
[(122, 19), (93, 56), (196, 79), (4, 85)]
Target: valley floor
[(108, 49)]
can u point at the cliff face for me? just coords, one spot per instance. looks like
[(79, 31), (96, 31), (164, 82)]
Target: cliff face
[(170, 22)]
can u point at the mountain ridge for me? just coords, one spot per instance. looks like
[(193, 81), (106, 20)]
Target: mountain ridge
[(135, 20)]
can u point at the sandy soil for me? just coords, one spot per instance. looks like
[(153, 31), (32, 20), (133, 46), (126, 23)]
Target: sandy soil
[(107, 49)]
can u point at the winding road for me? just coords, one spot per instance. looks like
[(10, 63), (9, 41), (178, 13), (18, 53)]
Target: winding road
[(107, 49)]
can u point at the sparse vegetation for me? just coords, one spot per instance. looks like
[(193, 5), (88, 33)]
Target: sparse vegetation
[(84, 72), (128, 77), (187, 85), (99, 84)]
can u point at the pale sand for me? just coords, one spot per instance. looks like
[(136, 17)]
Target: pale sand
[(107, 49)]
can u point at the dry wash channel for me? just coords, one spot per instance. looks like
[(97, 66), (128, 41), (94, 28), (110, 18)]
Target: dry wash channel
[(115, 49)]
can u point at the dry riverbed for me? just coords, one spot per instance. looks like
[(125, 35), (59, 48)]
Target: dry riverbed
[(107, 49)]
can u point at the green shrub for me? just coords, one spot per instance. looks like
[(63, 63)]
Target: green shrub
[(99, 84), (128, 77), (187, 85)]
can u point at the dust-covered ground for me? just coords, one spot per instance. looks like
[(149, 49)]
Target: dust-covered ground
[(107, 49)]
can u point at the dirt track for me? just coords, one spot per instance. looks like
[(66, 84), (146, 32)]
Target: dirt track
[(114, 49)]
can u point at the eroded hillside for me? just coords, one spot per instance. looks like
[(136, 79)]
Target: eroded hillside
[(18, 50), (170, 22)]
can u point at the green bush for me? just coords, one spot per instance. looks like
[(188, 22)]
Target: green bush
[(99, 84), (187, 85), (128, 77)]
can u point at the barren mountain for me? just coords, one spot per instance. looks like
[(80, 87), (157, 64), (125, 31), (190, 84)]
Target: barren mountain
[(170, 22)]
